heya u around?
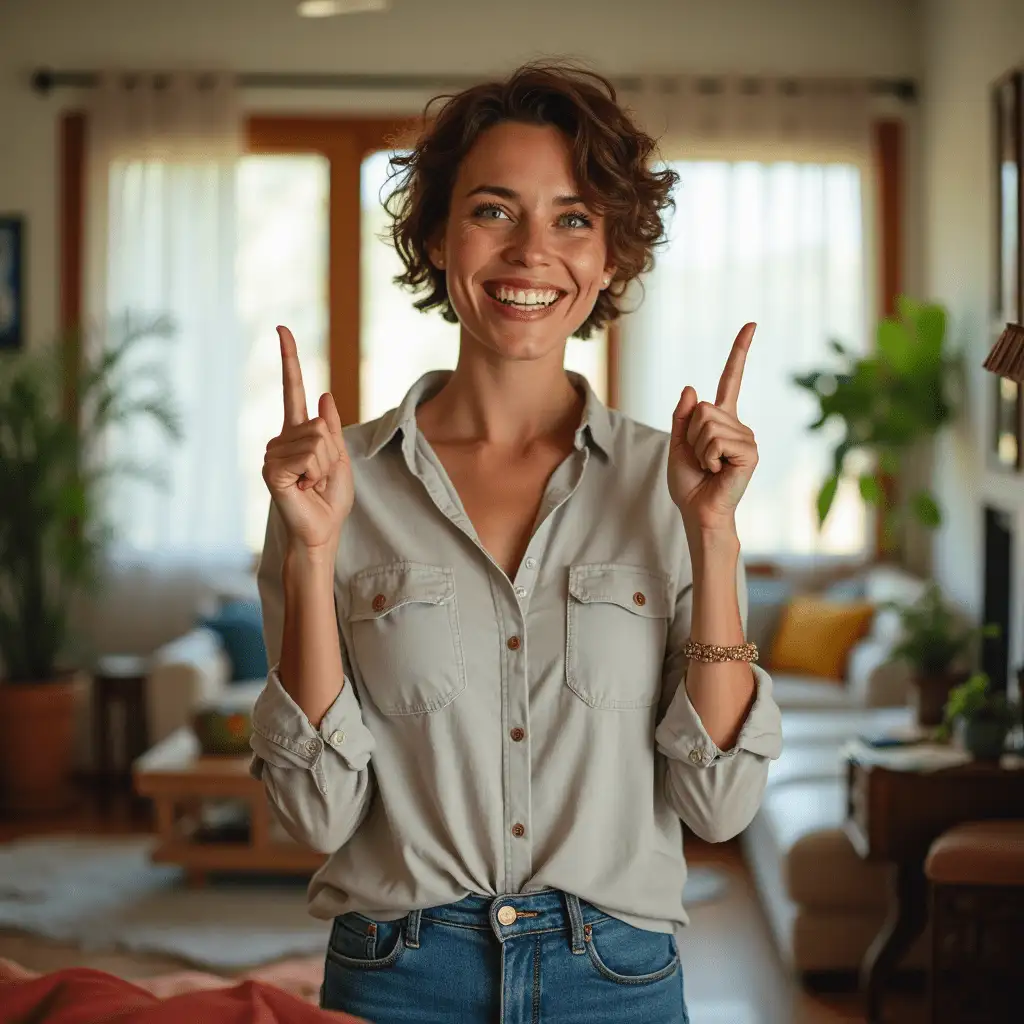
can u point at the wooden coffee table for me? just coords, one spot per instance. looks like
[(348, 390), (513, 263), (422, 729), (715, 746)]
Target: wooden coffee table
[(186, 787)]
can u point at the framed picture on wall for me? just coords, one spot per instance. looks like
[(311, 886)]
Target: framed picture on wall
[(12, 282), (1008, 293)]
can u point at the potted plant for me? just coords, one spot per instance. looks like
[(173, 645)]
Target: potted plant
[(983, 719), (888, 404), (53, 532), (939, 650)]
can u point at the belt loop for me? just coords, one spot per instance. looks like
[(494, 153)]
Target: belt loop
[(572, 904), (412, 929)]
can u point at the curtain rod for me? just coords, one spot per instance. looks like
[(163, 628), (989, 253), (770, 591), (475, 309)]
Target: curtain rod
[(45, 80)]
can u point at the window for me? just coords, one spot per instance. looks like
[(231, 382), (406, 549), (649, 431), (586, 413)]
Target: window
[(781, 244)]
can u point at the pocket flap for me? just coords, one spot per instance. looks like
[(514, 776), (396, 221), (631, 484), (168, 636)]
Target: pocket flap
[(381, 590), (641, 591)]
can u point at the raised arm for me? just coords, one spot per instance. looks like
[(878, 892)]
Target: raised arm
[(312, 749)]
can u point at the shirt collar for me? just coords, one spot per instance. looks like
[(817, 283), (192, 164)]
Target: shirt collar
[(595, 425)]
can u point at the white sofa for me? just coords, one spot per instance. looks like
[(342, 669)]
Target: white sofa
[(151, 607), (824, 904)]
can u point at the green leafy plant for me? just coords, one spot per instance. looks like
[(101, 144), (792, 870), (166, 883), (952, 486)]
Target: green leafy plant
[(887, 402), (974, 700), (933, 640), (52, 527)]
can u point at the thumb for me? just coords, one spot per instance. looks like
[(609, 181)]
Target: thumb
[(681, 417), (329, 411)]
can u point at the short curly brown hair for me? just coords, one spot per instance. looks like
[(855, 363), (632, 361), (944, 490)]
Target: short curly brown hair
[(610, 156)]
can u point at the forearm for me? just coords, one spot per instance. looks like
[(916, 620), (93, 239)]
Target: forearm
[(311, 669), (721, 693)]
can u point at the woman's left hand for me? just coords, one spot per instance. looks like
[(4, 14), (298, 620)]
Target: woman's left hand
[(712, 456)]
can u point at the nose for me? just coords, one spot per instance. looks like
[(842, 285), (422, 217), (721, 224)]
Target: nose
[(528, 243)]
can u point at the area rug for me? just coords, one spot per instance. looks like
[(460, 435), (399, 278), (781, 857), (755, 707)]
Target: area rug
[(103, 893)]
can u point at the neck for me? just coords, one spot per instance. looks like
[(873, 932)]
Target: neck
[(502, 402)]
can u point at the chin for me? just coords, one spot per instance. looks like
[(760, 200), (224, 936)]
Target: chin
[(519, 345)]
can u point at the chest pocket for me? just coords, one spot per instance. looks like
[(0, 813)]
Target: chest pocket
[(405, 637), (616, 631)]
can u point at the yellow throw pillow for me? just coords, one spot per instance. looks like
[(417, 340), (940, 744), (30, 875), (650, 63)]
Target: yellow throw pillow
[(815, 636)]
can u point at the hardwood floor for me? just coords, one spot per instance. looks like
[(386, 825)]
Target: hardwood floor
[(733, 974)]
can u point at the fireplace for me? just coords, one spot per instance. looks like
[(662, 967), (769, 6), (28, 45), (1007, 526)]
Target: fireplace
[(995, 651)]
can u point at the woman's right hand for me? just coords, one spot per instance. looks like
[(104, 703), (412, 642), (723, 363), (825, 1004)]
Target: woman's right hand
[(306, 467)]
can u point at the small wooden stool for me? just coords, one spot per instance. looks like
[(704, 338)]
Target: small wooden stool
[(119, 691), (976, 871)]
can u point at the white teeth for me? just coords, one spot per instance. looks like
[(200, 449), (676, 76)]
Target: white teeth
[(524, 297)]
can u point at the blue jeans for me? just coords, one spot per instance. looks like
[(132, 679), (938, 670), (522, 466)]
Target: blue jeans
[(557, 960)]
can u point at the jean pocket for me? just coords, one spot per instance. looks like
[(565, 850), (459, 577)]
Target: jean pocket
[(360, 942), (628, 955)]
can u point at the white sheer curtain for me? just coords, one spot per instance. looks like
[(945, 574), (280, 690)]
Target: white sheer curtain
[(163, 151), (771, 225)]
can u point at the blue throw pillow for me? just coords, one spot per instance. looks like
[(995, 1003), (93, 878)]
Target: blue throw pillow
[(239, 624)]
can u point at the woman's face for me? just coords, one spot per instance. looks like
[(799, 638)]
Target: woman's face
[(525, 260)]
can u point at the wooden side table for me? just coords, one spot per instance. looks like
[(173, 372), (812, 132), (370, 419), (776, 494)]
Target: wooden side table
[(119, 692), (893, 815)]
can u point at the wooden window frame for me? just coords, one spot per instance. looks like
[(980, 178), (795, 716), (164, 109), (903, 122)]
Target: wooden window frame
[(345, 142)]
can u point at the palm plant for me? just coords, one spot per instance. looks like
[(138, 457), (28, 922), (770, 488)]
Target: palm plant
[(52, 526)]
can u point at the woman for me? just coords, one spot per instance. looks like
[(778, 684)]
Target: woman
[(482, 605)]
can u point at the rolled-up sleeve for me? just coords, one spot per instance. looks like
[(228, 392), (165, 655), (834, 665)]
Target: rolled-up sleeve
[(318, 780), (715, 792)]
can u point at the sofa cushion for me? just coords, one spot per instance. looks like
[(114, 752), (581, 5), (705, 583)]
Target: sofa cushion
[(239, 624), (815, 635), (820, 868), (808, 693), (832, 728)]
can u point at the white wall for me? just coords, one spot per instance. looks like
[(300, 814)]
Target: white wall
[(870, 37), (966, 45)]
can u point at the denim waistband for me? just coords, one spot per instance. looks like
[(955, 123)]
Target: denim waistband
[(550, 910)]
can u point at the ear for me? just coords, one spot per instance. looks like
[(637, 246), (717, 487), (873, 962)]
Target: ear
[(436, 252), (608, 275)]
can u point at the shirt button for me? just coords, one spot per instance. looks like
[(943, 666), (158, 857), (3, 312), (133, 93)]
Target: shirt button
[(379, 603), (696, 755), (514, 643), (312, 746), (507, 915), (518, 734), (531, 563), (337, 737), (639, 600), (520, 591), (518, 830)]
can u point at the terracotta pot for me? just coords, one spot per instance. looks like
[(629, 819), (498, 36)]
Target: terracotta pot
[(931, 693), (37, 732)]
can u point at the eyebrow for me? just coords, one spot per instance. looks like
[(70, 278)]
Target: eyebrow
[(508, 193)]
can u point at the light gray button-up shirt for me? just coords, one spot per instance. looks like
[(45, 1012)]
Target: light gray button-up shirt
[(500, 736)]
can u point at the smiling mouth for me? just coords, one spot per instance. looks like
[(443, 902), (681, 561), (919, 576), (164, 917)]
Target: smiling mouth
[(524, 298)]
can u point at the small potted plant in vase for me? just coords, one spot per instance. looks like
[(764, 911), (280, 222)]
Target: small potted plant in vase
[(53, 533), (980, 718), (938, 648)]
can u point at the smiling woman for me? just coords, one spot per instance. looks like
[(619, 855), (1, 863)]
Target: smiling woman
[(469, 601)]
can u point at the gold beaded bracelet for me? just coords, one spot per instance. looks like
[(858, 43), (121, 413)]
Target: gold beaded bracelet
[(712, 653)]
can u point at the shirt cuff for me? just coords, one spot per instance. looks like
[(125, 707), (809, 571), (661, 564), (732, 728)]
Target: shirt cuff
[(283, 727), (682, 736)]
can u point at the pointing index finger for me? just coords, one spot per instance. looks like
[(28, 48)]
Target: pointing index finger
[(291, 374), (732, 376)]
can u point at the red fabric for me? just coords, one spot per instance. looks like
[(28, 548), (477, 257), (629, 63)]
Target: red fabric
[(80, 995)]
